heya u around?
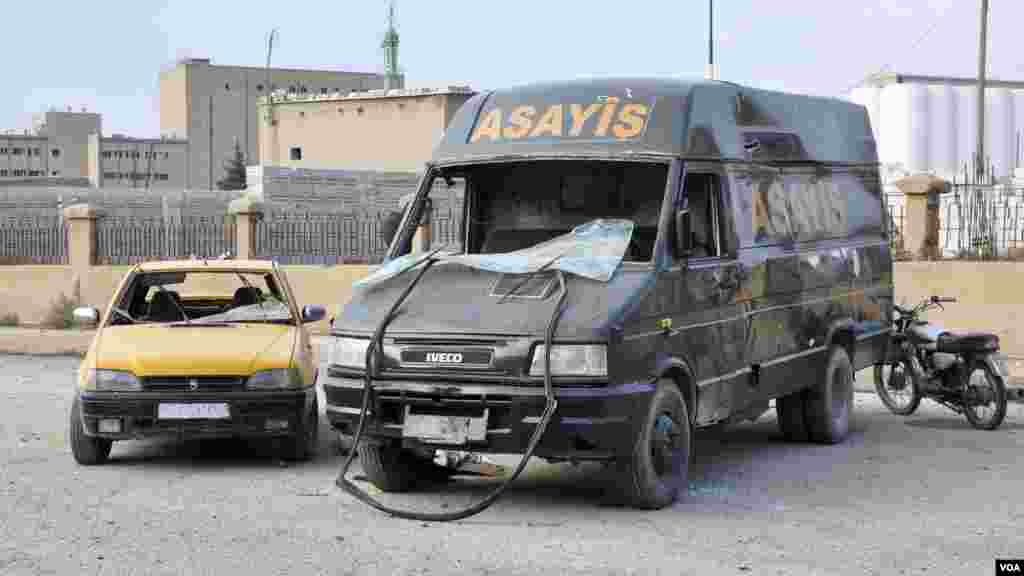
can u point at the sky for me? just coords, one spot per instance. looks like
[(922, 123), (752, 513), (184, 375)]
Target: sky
[(106, 55)]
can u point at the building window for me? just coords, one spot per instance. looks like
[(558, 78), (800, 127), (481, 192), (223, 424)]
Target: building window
[(3, 172), (3, 150), (296, 153), (259, 87), (227, 86), (17, 151), (55, 173), (163, 177), (359, 110), (35, 172), (19, 172), (166, 155), (110, 175), (323, 91), (341, 111), (291, 89), (303, 90), (302, 114)]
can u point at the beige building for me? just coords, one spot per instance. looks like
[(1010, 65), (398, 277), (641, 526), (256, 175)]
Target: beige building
[(380, 130), (211, 106), (69, 146)]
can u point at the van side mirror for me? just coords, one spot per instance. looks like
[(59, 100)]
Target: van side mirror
[(683, 237)]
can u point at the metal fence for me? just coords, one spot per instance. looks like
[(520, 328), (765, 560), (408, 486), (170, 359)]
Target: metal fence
[(129, 241), (345, 238), (33, 240)]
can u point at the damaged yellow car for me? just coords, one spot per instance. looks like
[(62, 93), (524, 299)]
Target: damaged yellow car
[(198, 349)]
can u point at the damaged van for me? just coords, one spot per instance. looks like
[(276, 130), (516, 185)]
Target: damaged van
[(636, 259)]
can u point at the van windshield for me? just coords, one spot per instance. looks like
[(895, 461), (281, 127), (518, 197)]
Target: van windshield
[(584, 217)]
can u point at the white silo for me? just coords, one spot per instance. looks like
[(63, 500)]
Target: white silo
[(918, 127), (942, 142), (967, 126), (894, 147)]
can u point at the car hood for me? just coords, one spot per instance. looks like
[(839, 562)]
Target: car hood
[(163, 350), (452, 298)]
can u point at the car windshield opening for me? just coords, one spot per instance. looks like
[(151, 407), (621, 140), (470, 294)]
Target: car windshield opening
[(512, 206), (202, 297)]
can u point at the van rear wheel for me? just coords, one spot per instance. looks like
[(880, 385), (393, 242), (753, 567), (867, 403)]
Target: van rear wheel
[(657, 469), (790, 413), (829, 403)]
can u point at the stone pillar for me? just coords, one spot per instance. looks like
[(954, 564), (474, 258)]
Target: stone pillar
[(921, 215), (247, 211), (81, 219)]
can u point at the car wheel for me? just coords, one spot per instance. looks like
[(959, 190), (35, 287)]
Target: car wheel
[(87, 450), (790, 414), (829, 403), (389, 467), (302, 446), (657, 469)]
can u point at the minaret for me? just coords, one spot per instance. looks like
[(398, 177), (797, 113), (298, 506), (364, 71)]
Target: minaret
[(390, 46)]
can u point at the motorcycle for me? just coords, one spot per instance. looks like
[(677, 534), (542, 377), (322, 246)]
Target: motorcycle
[(963, 372)]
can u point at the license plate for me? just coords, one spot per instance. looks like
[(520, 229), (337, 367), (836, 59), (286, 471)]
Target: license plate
[(455, 430), (193, 411)]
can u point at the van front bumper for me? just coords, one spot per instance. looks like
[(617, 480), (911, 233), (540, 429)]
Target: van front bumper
[(252, 413), (591, 422)]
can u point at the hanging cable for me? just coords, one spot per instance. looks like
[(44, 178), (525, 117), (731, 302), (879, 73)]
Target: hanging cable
[(372, 365)]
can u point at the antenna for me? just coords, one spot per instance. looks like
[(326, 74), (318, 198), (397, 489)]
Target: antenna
[(270, 96)]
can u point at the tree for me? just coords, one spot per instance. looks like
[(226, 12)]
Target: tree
[(234, 171)]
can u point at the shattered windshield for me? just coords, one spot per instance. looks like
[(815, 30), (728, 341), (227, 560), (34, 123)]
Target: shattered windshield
[(593, 250), (515, 217), (202, 297)]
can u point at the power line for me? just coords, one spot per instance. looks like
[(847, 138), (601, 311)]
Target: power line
[(888, 67)]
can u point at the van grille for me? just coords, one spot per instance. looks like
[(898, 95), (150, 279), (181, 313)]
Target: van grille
[(184, 383)]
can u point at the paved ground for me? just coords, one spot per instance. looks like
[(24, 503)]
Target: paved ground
[(920, 495)]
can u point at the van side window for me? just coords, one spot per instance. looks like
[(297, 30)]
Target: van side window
[(703, 194)]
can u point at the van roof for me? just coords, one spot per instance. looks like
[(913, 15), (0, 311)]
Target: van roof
[(633, 116)]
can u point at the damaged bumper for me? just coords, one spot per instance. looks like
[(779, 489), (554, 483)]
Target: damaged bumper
[(591, 423)]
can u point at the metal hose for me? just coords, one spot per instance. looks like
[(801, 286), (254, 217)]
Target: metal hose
[(376, 344)]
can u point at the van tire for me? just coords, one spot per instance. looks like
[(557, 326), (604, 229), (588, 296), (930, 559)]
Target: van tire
[(87, 450), (389, 467), (829, 403), (658, 466), (789, 411)]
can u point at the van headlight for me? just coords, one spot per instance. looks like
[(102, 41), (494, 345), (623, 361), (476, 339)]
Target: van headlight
[(112, 381), (348, 352), (572, 360), (275, 378)]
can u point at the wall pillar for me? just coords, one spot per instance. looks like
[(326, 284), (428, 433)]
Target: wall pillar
[(921, 215), (247, 213), (81, 219)]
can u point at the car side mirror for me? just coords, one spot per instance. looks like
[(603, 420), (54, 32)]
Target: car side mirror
[(683, 237), (313, 313), (86, 315)]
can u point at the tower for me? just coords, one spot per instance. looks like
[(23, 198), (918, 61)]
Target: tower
[(390, 46)]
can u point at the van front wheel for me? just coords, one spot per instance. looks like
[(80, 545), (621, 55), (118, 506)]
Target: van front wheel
[(657, 469)]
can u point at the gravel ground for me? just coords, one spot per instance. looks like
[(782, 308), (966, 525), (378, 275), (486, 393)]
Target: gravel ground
[(920, 495)]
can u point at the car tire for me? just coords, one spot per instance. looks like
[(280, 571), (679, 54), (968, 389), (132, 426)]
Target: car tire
[(789, 411), (658, 466), (303, 445), (389, 467), (87, 450), (829, 403)]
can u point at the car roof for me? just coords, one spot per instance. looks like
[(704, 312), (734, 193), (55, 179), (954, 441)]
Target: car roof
[(260, 266)]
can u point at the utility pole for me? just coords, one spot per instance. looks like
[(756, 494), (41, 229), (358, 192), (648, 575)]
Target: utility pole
[(983, 39), (269, 93), (711, 41)]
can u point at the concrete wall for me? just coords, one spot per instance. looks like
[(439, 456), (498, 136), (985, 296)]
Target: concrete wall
[(988, 292), (391, 134)]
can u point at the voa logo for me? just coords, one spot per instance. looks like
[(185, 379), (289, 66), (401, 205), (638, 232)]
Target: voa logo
[(444, 357)]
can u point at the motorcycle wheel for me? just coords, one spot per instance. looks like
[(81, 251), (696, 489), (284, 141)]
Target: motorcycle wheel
[(897, 387), (982, 383)]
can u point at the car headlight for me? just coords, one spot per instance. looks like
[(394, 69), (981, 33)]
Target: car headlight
[(275, 378), (572, 360), (348, 352), (112, 381)]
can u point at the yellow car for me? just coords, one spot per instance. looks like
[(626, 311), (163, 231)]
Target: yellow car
[(198, 349)]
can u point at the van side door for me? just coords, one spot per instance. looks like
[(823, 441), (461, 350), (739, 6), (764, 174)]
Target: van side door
[(711, 328)]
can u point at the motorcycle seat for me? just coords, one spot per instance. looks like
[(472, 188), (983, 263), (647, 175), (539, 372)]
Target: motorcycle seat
[(966, 343)]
